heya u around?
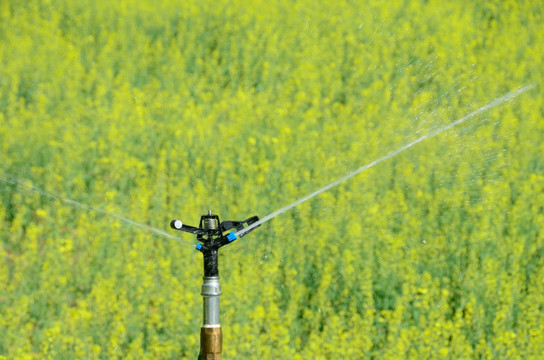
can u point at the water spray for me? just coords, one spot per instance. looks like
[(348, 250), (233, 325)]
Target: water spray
[(10, 179), (498, 101), (212, 234)]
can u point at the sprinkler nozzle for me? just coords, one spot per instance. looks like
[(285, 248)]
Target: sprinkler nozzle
[(176, 224)]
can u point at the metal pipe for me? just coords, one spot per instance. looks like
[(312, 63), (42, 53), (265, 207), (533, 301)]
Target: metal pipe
[(211, 290), (211, 338)]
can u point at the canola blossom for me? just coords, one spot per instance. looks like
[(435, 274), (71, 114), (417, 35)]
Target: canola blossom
[(116, 117)]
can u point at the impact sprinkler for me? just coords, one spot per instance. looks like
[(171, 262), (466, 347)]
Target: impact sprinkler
[(211, 234)]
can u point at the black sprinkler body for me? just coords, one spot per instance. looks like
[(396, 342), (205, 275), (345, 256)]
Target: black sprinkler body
[(211, 233)]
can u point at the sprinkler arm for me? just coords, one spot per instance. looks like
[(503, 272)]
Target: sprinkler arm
[(225, 226)]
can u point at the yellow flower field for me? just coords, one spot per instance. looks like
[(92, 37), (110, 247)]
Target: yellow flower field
[(155, 110)]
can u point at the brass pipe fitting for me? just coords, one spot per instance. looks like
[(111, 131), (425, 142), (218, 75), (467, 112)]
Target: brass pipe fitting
[(211, 343)]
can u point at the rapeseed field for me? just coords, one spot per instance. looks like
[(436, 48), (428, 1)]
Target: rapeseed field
[(156, 110)]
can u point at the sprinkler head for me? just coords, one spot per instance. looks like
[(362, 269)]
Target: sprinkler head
[(213, 234)]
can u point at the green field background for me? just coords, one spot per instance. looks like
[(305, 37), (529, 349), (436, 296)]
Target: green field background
[(156, 110)]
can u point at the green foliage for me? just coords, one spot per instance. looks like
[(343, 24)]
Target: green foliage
[(164, 109)]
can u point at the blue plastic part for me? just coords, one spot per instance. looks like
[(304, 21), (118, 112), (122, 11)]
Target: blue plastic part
[(232, 236), (198, 246)]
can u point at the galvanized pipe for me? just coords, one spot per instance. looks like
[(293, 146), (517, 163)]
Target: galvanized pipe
[(211, 290)]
